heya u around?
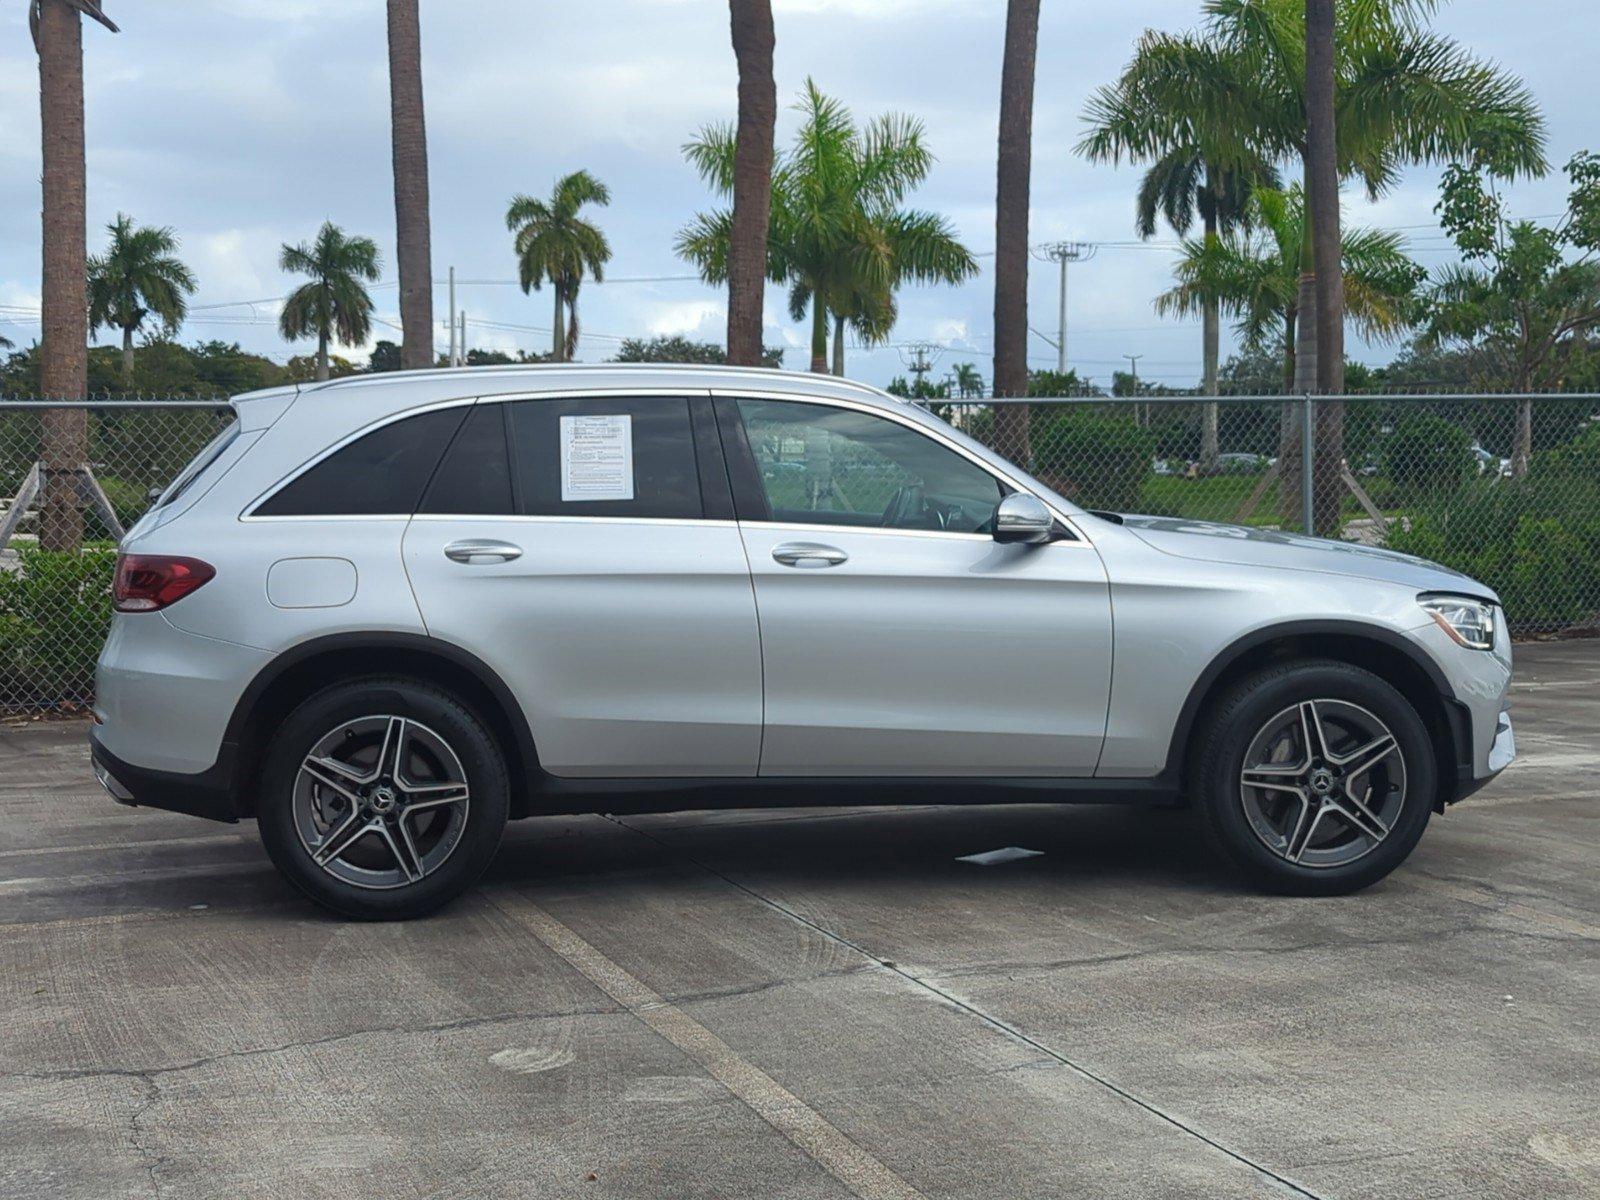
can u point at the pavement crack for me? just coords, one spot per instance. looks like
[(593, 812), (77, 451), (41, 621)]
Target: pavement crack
[(149, 1075), (996, 1023)]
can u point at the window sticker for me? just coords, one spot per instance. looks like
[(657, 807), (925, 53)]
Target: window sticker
[(596, 458)]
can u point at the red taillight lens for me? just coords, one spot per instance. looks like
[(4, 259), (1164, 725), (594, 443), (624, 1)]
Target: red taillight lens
[(147, 582)]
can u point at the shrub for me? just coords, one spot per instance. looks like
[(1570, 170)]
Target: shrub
[(1536, 541), (54, 612), (1428, 452), (1096, 460)]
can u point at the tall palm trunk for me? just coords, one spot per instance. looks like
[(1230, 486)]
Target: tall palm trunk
[(322, 356), (64, 345), (753, 41), (1013, 169), (1211, 335), (408, 130), (838, 345), (1322, 219), (819, 336), (127, 355), (1302, 382), (558, 332)]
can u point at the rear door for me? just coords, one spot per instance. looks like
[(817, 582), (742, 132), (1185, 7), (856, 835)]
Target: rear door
[(898, 637), (585, 548)]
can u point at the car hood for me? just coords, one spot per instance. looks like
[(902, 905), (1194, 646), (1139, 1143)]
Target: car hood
[(1213, 542)]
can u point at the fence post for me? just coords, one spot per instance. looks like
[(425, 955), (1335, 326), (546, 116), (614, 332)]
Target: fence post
[(1308, 489)]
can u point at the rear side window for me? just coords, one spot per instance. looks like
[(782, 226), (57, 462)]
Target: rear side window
[(198, 466), (475, 477), (622, 457), (380, 473)]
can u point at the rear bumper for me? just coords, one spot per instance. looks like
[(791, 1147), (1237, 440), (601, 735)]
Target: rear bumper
[(208, 794)]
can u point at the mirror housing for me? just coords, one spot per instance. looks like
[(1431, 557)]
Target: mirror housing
[(1023, 519)]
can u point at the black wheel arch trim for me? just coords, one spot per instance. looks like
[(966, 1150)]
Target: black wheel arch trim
[(511, 711), (1459, 727)]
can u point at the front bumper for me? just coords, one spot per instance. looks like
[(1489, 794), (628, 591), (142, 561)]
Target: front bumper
[(208, 794)]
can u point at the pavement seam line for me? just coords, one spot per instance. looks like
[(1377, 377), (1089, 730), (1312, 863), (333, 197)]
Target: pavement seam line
[(859, 1171), (989, 1019)]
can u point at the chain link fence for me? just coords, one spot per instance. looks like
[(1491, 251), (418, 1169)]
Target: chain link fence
[(1503, 488), (72, 479)]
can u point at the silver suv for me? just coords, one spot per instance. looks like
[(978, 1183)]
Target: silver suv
[(383, 615)]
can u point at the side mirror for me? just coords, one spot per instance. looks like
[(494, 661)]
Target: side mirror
[(1024, 519)]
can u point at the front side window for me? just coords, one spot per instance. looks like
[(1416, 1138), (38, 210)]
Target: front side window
[(605, 457), (837, 466), (381, 473)]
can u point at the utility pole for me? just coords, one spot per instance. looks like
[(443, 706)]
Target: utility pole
[(918, 363), (462, 361), (1133, 362), (1064, 253), (452, 358)]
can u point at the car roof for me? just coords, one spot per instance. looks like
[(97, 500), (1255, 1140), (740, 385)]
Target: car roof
[(408, 389)]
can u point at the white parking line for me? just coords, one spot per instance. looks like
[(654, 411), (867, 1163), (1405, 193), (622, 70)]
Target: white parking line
[(835, 1153)]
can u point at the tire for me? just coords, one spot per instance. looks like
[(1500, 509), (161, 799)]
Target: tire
[(399, 841), (1324, 823)]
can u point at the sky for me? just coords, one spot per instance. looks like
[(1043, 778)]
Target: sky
[(244, 124)]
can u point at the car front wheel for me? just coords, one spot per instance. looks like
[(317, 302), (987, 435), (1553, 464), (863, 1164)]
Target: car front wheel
[(1315, 778), (383, 798)]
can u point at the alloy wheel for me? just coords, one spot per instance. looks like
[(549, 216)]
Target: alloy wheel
[(380, 801), (1323, 783)]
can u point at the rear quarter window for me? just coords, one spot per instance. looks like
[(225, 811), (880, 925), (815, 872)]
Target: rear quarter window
[(382, 473)]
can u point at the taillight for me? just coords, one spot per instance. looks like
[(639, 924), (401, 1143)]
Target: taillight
[(147, 582)]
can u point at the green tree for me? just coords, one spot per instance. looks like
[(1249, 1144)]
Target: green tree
[(1526, 298), (675, 348), (1255, 277), (969, 381), (553, 242), (838, 235), (335, 304), (138, 277), (1202, 164)]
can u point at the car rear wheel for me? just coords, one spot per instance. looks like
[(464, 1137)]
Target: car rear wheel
[(383, 798), (1315, 778)]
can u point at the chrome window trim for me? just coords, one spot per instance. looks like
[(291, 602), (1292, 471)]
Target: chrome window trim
[(564, 519), (875, 410), (248, 513)]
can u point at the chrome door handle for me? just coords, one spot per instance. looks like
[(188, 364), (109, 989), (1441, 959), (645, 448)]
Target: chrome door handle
[(808, 555), (478, 551)]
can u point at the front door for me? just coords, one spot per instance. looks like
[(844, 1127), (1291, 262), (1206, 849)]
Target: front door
[(897, 637), (585, 548)]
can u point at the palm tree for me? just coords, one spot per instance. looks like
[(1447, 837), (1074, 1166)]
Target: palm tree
[(409, 133), (335, 305), (751, 184), (1256, 278), (1013, 171), (553, 242), (139, 276), (1199, 165), (969, 382), (1401, 95), (57, 27), (838, 236)]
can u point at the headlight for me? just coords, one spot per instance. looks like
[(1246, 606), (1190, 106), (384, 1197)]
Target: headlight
[(1469, 622)]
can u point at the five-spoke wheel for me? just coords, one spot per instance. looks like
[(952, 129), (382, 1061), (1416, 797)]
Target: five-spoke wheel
[(383, 797), (1323, 782), (1314, 777)]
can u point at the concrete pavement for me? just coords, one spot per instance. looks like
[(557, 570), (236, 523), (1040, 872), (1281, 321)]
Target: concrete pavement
[(777, 1004)]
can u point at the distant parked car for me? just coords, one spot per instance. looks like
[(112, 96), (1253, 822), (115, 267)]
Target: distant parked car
[(381, 615)]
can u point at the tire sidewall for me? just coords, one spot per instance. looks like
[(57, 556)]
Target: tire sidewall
[(1244, 715), (481, 759)]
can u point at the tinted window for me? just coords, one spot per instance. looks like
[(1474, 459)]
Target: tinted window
[(475, 477), (624, 457), (380, 473), (838, 466)]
